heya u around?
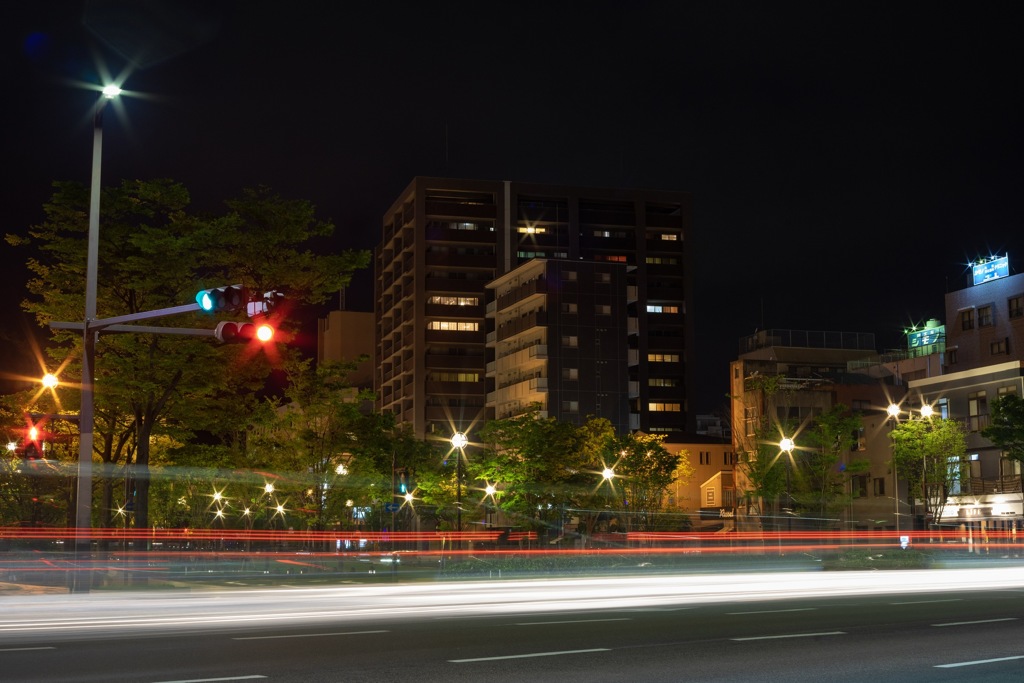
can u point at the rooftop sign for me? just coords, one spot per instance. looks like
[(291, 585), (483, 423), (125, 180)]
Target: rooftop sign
[(993, 269)]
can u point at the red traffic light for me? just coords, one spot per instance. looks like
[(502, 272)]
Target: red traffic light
[(239, 332)]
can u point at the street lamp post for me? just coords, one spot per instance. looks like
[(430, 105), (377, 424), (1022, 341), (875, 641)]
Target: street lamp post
[(459, 442), (786, 445), (894, 411), (83, 508)]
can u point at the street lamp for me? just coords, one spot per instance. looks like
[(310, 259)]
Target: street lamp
[(459, 442), (83, 510), (894, 412), (786, 445)]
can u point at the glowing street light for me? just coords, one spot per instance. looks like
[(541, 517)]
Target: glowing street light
[(83, 510), (50, 381), (608, 473), (927, 411), (459, 442)]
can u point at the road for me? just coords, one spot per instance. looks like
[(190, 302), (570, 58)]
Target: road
[(937, 625)]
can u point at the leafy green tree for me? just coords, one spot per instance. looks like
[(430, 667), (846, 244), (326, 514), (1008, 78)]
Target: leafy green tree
[(821, 484), (544, 466), (930, 456), (644, 470), (1006, 426), (154, 255)]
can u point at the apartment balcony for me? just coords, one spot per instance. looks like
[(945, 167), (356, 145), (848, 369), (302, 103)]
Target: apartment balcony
[(447, 361), (632, 326), (454, 388), (456, 337), (527, 391), (634, 389), (522, 324), (455, 285), (631, 294), (523, 359), (448, 259), (455, 312), (634, 358)]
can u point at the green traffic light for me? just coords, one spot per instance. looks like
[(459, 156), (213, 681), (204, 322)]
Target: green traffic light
[(204, 300)]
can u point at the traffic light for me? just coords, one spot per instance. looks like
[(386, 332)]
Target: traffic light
[(229, 298), (32, 448), (401, 483), (265, 305), (231, 332)]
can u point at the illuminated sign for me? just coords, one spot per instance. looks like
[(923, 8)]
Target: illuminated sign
[(926, 337), (992, 269)]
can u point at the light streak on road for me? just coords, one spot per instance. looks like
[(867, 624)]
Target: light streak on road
[(88, 615)]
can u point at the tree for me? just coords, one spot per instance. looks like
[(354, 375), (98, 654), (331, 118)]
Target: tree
[(643, 471), (930, 456), (544, 465), (821, 482), (153, 255), (1006, 426)]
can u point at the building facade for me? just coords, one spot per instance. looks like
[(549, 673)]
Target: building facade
[(445, 241), (781, 381)]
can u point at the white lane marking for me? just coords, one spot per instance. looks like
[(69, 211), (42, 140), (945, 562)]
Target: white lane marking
[(775, 611), (570, 621), (23, 649), (978, 661), (210, 680), (794, 635), (980, 621), (925, 602), (309, 635), (531, 654)]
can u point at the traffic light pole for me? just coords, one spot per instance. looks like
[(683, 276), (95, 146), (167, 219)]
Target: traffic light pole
[(90, 331)]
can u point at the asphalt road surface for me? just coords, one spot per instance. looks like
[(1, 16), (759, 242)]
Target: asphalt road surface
[(945, 625)]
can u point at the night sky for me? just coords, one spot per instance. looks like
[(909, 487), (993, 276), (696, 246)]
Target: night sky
[(846, 160)]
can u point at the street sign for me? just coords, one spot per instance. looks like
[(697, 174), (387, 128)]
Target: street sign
[(392, 507)]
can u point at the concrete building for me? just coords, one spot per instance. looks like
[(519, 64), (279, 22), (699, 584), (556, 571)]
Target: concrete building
[(783, 379), (559, 341), (450, 246), (992, 491)]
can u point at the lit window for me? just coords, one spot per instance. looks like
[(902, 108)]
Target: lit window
[(454, 300), (603, 309), (663, 357), (453, 326), (532, 229), (604, 277), (570, 341), (998, 347), (570, 374), (655, 308), (669, 237), (658, 407), (568, 308), (570, 406), (662, 382)]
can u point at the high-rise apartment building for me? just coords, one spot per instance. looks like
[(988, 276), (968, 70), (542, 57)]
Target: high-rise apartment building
[(446, 268)]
